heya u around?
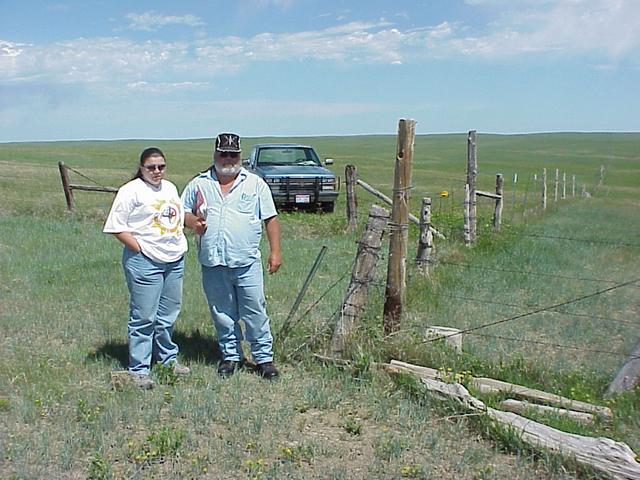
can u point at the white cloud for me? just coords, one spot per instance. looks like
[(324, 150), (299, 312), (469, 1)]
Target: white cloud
[(164, 87), (150, 21), (602, 30), (566, 27)]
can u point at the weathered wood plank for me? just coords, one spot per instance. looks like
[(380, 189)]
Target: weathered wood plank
[(604, 455), (517, 406), (482, 193), (378, 194), (489, 385)]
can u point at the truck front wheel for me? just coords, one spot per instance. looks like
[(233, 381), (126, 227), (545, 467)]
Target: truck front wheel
[(328, 207)]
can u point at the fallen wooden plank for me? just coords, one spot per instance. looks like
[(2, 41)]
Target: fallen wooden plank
[(603, 455), (517, 406), (489, 385)]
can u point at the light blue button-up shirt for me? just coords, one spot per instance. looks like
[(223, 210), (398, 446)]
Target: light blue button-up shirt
[(234, 221)]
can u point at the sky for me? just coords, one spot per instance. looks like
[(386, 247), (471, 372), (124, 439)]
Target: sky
[(73, 70)]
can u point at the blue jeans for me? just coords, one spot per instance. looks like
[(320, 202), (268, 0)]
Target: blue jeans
[(236, 294), (156, 297)]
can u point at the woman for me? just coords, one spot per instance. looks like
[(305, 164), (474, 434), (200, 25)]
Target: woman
[(147, 217)]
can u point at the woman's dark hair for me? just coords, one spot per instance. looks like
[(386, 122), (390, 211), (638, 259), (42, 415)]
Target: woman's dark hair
[(146, 153)]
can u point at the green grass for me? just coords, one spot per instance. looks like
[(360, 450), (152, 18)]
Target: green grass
[(63, 308)]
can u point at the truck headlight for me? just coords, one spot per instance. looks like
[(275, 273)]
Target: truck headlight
[(328, 184)]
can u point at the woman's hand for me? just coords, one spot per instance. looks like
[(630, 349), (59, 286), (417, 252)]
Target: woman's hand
[(128, 240)]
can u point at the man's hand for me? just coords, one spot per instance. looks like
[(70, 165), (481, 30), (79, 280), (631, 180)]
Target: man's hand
[(197, 224), (272, 226), (273, 262)]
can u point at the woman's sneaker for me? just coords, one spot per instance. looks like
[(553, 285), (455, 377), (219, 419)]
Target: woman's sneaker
[(142, 381), (180, 369)]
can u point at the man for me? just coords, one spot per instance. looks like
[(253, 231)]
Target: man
[(225, 206)]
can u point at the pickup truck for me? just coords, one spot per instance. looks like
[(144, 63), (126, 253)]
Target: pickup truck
[(295, 175)]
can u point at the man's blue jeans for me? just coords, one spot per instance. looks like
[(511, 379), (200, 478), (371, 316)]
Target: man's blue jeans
[(156, 298), (236, 294)]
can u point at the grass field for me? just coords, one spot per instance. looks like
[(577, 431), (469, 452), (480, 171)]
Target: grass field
[(63, 308)]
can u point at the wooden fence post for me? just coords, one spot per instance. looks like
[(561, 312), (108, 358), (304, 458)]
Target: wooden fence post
[(472, 173), (467, 223), (564, 185), (425, 242), (66, 186), (573, 186), (629, 375), (514, 196), (350, 174), (398, 233), (362, 275), (544, 189), (601, 177), (497, 212), (555, 186)]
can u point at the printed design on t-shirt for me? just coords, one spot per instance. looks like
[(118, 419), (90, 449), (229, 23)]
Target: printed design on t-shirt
[(167, 217)]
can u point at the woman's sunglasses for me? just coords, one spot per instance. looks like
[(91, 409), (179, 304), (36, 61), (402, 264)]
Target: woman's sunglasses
[(152, 168)]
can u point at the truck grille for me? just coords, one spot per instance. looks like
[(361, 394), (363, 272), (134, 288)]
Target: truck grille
[(298, 185)]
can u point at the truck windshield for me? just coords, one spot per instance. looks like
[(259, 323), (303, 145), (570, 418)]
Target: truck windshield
[(287, 156)]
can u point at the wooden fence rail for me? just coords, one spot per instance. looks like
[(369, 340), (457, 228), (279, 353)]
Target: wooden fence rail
[(69, 187)]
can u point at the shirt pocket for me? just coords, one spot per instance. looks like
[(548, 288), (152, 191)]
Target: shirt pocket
[(247, 203)]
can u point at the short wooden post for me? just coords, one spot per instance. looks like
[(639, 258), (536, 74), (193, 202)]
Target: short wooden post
[(472, 173), (362, 275), (629, 375), (395, 289), (555, 185), (601, 178), (351, 176), (497, 212), (564, 185), (544, 189), (66, 185), (425, 242), (573, 186), (514, 196), (467, 223)]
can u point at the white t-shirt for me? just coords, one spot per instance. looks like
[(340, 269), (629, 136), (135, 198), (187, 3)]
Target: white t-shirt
[(153, 215)]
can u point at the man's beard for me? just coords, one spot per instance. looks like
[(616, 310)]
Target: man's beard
[(228, 171)]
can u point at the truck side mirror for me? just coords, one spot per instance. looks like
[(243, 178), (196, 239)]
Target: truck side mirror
[(328, 161)]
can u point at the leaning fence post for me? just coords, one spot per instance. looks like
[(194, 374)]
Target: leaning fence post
[(497, 212), (352, 202), (555, 186), (544, 189), (362, 275), (398, 233), (472, 173), (66, 186), (425, 243)]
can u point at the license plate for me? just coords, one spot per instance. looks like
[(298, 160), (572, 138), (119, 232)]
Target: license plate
[(303, 198)]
